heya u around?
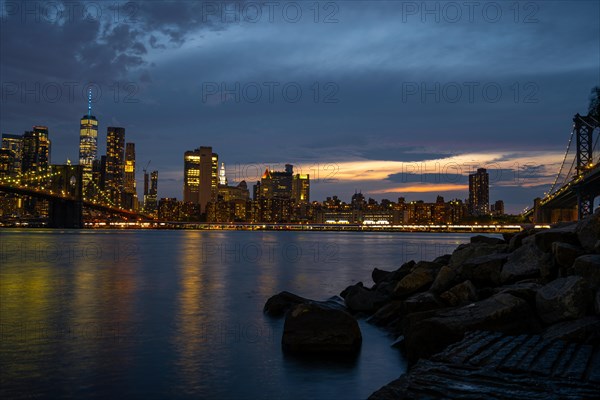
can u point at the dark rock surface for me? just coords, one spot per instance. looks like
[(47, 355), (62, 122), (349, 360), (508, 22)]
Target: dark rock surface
[(488, 365), (502, 312), (565, 253), (588, 231), (523, 263), (461, 294), (487, 239), (445, 279), (311, 328), (484, 270), (473, 250), (563, 299), (588, 266), (279, 304), (360, 299), (584, 330)]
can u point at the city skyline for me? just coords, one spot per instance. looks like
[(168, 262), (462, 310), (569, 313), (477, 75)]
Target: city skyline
[(172, 78)]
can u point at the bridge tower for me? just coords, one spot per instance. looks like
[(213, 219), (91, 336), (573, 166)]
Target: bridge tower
[(584, 129), (67, 212)]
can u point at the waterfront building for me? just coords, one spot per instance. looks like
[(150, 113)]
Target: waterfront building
[(130, 200), (115, 164), (14, 143), (479, 193), (200, 176)]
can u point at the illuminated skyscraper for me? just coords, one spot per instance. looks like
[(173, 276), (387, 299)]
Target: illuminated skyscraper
[(115, 163), (14, 143), (88, 142), (301, 189), (200, 176), (36, 150), (130, 193), (151, 193), (479, 193)]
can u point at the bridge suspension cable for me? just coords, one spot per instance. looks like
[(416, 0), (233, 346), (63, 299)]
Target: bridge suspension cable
[(563, 163)]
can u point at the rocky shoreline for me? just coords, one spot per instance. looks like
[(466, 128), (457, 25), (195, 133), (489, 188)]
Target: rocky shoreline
[(543, 284)]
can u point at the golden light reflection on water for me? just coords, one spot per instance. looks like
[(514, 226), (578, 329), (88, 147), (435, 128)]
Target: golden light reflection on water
[(190, 319)]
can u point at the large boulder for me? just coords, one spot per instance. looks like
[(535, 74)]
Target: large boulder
[(420, 278), (360, 299), (379, 275), (387, 313), (588, 266), (310, 328), (517, 240), (525, 290), (544, 239), (487, 239), (461, 294), (484, 270), (420, 302), (597, 302), (445, 279), (563, 299), (465, 252), (588, 231), (525, 262), (278, 304), (502, 313), (565, 253)]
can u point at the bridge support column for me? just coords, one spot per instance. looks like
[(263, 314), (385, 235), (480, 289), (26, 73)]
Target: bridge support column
[(65, 214)]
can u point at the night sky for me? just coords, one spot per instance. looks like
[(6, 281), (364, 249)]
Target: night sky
[(391, 98)]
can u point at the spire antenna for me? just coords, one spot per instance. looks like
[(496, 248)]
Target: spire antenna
[(90, 102)]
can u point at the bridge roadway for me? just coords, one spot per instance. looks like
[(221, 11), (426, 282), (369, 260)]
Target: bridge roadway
[(71, 201)]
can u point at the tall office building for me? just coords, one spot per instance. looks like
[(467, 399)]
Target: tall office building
[(479, 193), (88, 142), (150, 192), (114, 178), (301, 189), (200, 176), (14, 144), (36, 150), (130, 192)]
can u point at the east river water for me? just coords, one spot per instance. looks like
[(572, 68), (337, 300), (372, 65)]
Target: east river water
[(178, 314)]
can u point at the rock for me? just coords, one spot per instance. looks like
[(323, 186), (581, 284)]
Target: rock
[(563, 299), (502, 313), (278, 304), (588, 266), (473, 250), (310, 328), (588, 231), (597, 247), (583, 330), (445, 279), (523, 263), (360, 299), (387, 314), (420, 302), (379, 275), (565, 253), (517, 240), (486, 365), (421, 277), (525, 290), (444, 260), (597, 302), (544, 239), (484, 270), (487, 239), (461, 294), (401, 272)]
